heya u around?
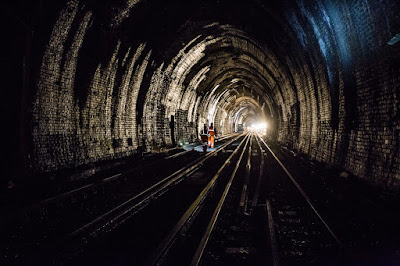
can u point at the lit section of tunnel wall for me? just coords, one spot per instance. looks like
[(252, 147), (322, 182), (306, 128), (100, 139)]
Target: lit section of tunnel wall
[(327, 82), (168, 97), (187, 90), (69, 130)]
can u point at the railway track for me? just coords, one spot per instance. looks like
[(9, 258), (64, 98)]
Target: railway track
[(229, 210), (147, 229), (240, 236), (221, 181), (255, 219), (244, 203), (235, 205), (359, 213), (302, 234), (38, 226)]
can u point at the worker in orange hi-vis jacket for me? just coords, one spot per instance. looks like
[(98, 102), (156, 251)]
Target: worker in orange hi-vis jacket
[(204, 137), (211, 135)]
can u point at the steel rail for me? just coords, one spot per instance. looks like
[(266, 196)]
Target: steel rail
[(179, 154), (245, 192), (260, 175), (227, 136), (190, 213), (272, 236), (74, 191), (203, 242), (301, 192), (129, 207), (148, 193), (103, 181), (199, 146)]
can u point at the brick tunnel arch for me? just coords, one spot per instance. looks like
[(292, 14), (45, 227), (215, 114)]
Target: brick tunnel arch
[(109, 81)]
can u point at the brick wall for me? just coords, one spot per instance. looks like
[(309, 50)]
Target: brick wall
[(323, 74), (349, 86), (69, 130)]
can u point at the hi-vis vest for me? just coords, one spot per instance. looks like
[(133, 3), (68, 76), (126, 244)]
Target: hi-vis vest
[(211, 131)]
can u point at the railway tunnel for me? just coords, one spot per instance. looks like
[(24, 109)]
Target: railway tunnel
[(94, 88)]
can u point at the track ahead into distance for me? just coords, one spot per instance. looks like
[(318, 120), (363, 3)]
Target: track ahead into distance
[(246, 202), (185, 225)]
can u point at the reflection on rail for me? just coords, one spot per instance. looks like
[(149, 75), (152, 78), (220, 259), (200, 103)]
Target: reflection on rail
[(221, 192), (191, 212), (301, 191)]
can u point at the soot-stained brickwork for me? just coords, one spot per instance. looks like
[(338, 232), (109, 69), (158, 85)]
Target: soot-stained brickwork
[(361, 78), (109, 81)]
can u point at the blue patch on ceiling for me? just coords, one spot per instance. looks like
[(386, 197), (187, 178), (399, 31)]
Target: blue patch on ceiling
[(394, 40)]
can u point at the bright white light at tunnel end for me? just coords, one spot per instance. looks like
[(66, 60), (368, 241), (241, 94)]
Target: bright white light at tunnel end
[(260, 127)]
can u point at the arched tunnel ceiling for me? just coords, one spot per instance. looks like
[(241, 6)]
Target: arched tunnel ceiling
[(226, 55), (208, 49), (113, 78)]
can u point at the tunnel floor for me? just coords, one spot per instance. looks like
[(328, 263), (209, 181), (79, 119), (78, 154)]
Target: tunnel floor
[(129, 213)]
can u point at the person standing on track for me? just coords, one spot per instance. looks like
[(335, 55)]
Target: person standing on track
[(204, 137), (211, 135)]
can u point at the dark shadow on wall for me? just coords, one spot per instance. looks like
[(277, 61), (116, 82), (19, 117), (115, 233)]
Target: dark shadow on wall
[(294, 126), (351, 118), (172, 127)]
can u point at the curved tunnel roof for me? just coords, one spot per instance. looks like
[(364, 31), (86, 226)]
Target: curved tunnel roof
[(109, 79)]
